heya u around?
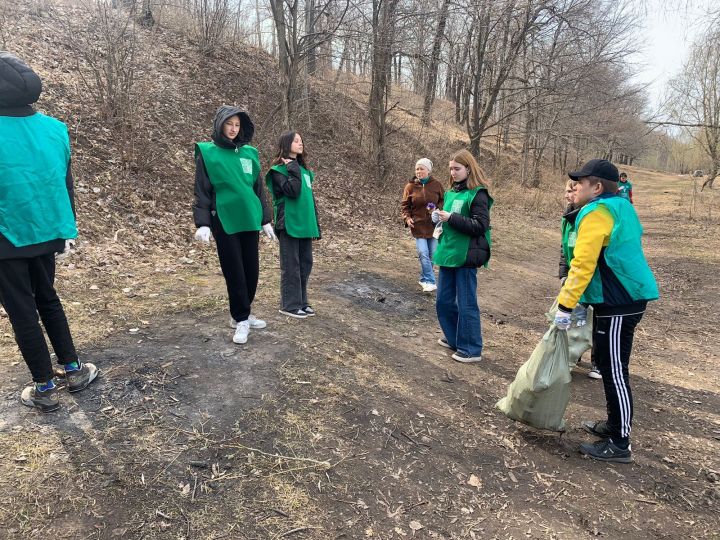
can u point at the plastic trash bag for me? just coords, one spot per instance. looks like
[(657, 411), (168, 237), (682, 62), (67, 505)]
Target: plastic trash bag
[(579, 334), (541, 390)]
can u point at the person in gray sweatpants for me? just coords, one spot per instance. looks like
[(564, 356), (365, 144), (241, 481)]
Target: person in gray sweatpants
[(296, 222)]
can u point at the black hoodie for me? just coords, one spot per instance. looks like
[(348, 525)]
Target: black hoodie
[(20, 86), (204, 209)]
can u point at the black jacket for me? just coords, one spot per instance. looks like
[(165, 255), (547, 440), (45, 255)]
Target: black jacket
[(474, 226), (204, 208), (19, 87), (288, 186)]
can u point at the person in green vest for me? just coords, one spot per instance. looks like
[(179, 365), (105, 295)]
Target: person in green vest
[(567, 246), (463, 246), (609, 272), (296, 222), (230, 206), (37, 220), (625, 188)]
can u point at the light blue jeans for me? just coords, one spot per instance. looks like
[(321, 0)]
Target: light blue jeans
[(426, 248)]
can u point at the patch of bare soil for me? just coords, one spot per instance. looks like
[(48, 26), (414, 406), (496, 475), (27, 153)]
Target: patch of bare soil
[(354, 423)]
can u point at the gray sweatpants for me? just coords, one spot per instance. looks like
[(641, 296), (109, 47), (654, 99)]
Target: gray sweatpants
[(296, 262)]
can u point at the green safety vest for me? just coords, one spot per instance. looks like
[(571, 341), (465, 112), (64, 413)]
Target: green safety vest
[(624, 189), (300, 215), (623, 254), (569, 238), (232, 173), (35, 206), (453, 245)]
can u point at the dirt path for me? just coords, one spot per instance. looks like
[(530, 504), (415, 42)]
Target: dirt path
[(354, 424)]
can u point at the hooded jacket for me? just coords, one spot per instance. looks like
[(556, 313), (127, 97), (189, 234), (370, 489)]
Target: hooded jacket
[(20, 87), (415, 199), (204, 208)]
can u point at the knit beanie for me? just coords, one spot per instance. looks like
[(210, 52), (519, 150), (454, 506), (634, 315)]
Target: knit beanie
[(425, 162)]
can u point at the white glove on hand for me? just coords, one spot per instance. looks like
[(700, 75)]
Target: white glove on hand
[(562, 319), (435, 216), (268, 230), (203, 235)]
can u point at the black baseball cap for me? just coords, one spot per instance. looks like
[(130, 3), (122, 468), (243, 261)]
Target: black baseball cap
[(601, 168)]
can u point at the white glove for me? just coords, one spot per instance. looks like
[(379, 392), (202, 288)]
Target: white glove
[(268, 230), (562, 319), (203, 235), (69, 247), (435, 216)]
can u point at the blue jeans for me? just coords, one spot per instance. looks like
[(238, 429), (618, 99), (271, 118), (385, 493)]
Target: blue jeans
[(426, 248), (457, 309)]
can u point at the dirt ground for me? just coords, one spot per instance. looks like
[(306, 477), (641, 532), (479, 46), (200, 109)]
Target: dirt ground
[(355, 424)]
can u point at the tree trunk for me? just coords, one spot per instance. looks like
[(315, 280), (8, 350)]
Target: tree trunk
[(431, 83)]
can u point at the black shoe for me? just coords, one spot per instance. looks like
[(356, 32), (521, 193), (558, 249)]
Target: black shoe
[(606, 450), (310, 312), (296, 313), (599, 428), (443, 342), (465, 358), (80, 378), (46, 401)]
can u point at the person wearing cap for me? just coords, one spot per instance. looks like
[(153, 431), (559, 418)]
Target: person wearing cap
[(230, 206), (423, 194), (625, 187), (37, 220), (609, 272)]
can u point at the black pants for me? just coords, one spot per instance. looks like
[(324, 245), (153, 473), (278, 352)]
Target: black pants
[(26, 289), (240, 263), (612, 345), (296, 261)]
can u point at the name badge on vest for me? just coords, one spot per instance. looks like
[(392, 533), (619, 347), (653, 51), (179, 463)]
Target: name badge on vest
[(457, 206), (306, 177), (246, 165), (572, 239)]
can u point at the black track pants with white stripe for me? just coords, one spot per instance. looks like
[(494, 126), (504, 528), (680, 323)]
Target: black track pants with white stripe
[(613, 340)]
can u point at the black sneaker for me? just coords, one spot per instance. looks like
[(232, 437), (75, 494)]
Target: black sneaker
[(444, 343), (310, 312), (296, 313), (599, 428), (46, 401), (466, 358), (606, 450), (80, 378)]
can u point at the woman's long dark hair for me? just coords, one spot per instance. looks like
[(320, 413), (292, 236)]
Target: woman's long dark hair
[(283, 149)]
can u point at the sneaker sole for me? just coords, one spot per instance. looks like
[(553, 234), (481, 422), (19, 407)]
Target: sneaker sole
[(595, 376), (258, 326), (627, 459), (472, 360), (240, 342), (40, 408), (446, 345), (94, 376), (294, 315)]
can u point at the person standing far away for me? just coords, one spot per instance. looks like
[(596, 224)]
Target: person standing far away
[(464, 245), (230, 206), (296, 221), (423, 194), (609, 272), (37, 220), (625, 188)]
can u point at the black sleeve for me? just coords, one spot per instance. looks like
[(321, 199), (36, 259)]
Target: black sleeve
[(563, 267), (70, 185), (479, 220), (288, 186), (260, 192), (204, 195), (293, 180)]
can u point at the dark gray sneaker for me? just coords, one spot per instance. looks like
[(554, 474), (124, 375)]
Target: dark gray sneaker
[(599, 428), (606, 450), (80, 378), (46, 401)]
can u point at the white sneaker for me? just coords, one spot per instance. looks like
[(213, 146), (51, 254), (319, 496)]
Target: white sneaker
[(256, 323), (594, 372), (241, 333), (430, 287)]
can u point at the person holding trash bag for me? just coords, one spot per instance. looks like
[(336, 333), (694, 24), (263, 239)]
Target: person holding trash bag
[(230, 205), (296, 220), (464, 245), (37, 220), (422, 195), (609, 272)]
